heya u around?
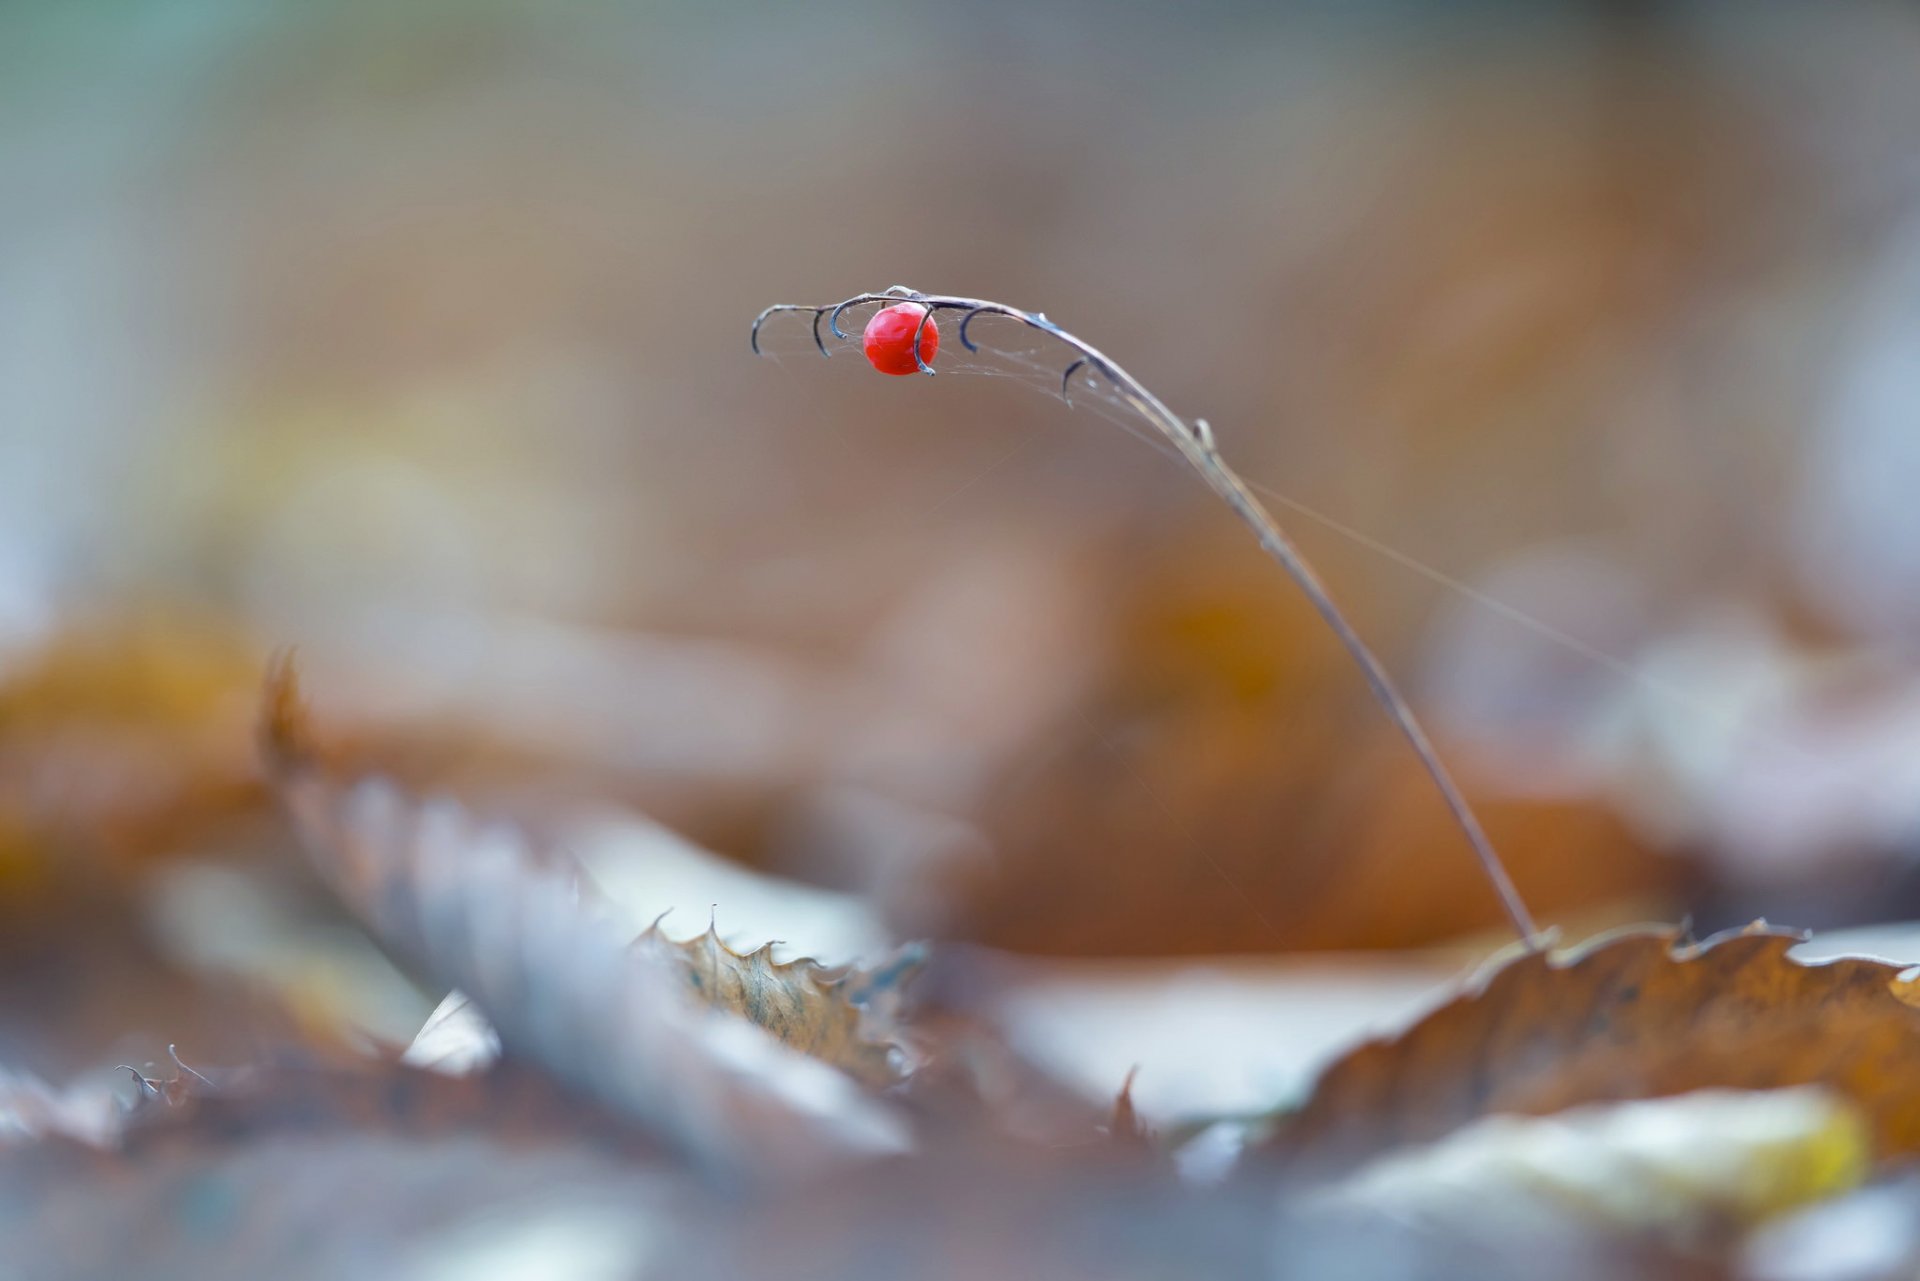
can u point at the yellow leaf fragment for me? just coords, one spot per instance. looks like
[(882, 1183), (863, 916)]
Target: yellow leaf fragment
[(1687, 1170)]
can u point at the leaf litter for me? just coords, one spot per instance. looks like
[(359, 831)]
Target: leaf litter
[(825, 1097)]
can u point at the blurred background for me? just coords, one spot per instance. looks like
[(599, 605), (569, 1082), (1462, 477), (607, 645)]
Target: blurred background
[(1578, 344)]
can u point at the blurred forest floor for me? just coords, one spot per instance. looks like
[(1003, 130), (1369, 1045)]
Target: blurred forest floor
[(1574, 343)]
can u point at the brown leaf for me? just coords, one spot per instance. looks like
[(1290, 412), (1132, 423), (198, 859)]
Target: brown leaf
[(121, 740), (1637, 1014)]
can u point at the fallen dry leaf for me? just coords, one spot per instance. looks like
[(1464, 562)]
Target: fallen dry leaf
[(1638, 1014), (478, 908), (824, 1012), (820, 1011), (121, 740)]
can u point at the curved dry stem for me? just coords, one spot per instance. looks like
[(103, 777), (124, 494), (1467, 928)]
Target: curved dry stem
[(1195, 443)]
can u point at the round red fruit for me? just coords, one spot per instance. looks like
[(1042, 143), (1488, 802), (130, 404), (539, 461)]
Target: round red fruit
[(888, 340)]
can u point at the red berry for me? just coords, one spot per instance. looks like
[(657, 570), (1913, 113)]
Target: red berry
[(889, 338)]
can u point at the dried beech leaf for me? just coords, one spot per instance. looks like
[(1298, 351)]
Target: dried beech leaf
[(1687, 1169), (820, 1011), (811, 1007), (1637, 1014), (829, 1013), (477, 908)]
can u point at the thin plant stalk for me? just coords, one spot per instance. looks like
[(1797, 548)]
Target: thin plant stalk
[(1195, 443)]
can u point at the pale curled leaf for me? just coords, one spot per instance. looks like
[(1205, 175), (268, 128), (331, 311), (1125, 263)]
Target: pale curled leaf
[(1638, 1014), (563, 990), (477, 908), (1687, 1170), (822, 1012)]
